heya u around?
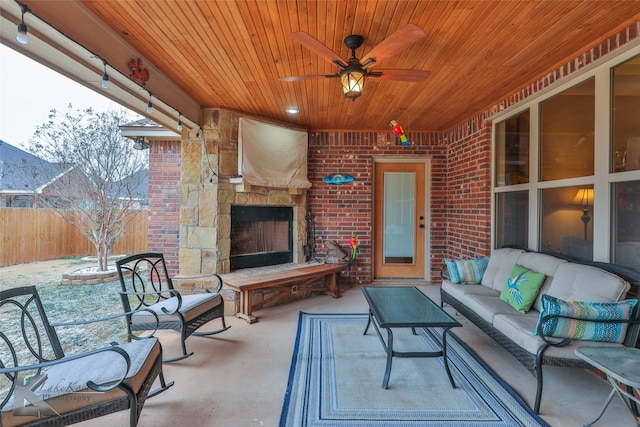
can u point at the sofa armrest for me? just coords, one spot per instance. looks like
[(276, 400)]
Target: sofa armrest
[(561, 342)]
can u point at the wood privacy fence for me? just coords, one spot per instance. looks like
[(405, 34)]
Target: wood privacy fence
[(30, 235)]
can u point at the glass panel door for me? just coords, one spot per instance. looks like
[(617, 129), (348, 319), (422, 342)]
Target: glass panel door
[(399, 221), (398, 217)]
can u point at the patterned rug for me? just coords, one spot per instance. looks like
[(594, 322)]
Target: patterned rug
[(336, 380)]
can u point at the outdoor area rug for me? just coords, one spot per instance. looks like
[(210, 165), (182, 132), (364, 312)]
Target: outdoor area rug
[(336, 380)]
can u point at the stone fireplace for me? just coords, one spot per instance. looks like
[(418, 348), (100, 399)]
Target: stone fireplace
[(260, 236), (211, 191)]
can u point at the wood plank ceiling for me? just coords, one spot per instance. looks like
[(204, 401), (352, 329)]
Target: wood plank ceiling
[(231, 54)]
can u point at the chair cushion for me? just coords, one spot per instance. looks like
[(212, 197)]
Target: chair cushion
[(467, 271), (521, 288), (65, 388), (192, 306), (586, 326)]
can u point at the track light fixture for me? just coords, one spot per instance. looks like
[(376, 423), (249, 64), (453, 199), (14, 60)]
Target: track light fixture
[(21, 36), (105, 76), (179, 122), (149, 105)]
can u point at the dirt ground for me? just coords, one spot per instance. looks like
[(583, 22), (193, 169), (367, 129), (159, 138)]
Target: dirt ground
[(39, 272)]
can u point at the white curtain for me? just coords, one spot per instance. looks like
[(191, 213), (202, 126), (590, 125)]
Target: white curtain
[(272, 156)]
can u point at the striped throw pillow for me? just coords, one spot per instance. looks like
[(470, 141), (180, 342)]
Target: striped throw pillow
[(467, 271), (585, 324)]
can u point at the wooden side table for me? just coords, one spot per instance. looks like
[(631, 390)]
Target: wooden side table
[(621, 365)]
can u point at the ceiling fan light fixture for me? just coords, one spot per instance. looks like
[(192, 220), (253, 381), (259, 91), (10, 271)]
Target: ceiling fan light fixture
[(352, 83)]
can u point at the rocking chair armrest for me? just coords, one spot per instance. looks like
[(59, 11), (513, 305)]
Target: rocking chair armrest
[(201, 277), (112, 317), (97, 387)]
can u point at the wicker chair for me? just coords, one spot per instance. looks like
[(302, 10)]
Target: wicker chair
[(40, 386), (146, 284)]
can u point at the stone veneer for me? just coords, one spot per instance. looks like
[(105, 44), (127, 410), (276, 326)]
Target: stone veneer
[(209, 164)]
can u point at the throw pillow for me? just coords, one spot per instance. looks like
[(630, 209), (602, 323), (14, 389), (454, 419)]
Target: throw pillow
[(585, 325), (467, 271), (522, 288)]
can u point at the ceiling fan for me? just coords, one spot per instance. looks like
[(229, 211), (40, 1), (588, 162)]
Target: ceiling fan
[(355, 71)]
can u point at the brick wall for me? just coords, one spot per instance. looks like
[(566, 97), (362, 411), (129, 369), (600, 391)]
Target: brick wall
[(164, 200), (340, 210)]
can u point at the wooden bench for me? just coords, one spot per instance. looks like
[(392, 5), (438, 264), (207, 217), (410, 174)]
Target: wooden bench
[(286, 281)]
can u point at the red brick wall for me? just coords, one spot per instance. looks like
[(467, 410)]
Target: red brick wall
[(340, 210), (164, 201), (469, 194)]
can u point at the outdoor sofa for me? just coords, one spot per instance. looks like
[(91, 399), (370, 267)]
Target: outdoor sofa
[(528, 334)]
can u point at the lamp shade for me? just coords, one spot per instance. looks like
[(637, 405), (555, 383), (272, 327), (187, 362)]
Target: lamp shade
[(352, 83), (584, 197)]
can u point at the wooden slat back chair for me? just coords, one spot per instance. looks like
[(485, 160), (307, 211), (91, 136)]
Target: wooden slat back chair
[(40, 386), (146, 283)]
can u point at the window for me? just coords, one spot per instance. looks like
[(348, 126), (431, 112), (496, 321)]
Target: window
[(567, 133), (512, 209), (567, 221), (626, 109), (626, 224), (572, 156), (512, 150)]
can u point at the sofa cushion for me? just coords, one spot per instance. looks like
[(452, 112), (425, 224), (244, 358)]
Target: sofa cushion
[(499, 267), (542, 263), (519, 328), (458, 291), (521, 288), (578, 282), (587, 328), (486, 306), (466, 271)]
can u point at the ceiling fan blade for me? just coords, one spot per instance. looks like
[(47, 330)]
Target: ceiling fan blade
[(393, 44), (307, 77), (312, 44), (403, 75)]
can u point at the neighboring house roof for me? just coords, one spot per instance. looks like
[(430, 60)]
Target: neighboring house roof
[(16, 164), (146, 128), (12, 161), (142, 191)]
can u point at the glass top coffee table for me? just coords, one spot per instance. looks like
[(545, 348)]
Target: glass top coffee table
[(392, 307)]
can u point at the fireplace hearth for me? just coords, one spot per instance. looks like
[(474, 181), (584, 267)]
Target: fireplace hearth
[(261, 236)]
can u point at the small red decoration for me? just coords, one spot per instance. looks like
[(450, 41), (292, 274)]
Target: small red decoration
[(138, 73), (397, 130)]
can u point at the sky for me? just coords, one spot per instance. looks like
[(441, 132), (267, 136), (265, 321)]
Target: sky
[(29, 90)]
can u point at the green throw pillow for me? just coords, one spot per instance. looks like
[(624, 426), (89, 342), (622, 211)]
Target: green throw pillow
[(521, 288)]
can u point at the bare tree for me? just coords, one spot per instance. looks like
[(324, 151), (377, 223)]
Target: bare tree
[(94, 175)]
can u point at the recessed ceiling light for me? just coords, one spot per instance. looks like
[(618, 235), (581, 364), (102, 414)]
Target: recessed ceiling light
[(292, 110)]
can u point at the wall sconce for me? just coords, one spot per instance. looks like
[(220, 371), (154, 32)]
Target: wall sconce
[(353, 78), (179, 122), (21, 36), (140, 143), (584, 198)]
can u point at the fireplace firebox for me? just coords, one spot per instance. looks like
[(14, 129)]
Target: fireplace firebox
[(261, 236)]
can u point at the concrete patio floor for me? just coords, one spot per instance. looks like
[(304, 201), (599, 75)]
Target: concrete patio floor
[(238, 378)]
